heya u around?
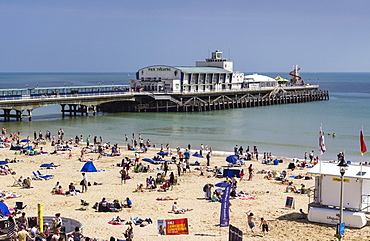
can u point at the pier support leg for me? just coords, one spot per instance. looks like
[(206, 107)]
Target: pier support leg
[(6, 115), (18, 115), (29, 111), (63, 110)]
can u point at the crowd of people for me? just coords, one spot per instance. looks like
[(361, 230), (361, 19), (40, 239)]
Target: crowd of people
[(165, 177)]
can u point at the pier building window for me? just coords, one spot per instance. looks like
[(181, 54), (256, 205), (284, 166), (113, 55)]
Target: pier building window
[(208, 78)]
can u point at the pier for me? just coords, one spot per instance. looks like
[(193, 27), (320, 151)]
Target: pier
[(160, 102), (77, 104)]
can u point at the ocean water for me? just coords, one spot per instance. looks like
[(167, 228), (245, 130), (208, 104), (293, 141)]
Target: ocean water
[(285, 130)]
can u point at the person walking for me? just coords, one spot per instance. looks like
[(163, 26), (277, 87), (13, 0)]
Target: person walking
[(208, 156), (23, 235), (12, 227), (250, 170), (84, 183), (123, 175)]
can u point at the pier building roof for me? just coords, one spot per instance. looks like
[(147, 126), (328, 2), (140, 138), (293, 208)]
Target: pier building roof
[(258, 78), (202, 70)]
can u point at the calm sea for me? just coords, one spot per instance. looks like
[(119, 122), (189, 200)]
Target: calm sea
[(285, 130)]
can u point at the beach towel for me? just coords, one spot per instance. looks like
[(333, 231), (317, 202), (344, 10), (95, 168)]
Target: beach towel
[(166, 199), (115, 223), (247, 198)]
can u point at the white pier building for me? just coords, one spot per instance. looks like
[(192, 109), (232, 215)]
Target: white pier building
[(212, 75)]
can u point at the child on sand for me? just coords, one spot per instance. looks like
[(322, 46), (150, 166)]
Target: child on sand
[(264, 225), (250, 218)]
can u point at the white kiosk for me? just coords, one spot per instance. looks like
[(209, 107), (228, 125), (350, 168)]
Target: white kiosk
[(356, 201)]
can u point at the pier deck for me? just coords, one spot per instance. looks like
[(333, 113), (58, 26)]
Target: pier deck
[(19, 108)]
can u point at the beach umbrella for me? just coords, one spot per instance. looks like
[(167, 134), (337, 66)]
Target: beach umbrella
[(232, 159), (148, 160), (162, 153), (198, 155), (222, 184), (3, 162)]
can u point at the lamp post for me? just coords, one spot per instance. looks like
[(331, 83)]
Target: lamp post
[(342, 169)]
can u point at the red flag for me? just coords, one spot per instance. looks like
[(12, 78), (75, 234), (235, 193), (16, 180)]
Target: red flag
[(362, 144), (322, 143)]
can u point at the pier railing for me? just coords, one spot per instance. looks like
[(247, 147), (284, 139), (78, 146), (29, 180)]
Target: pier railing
[(120, 93)]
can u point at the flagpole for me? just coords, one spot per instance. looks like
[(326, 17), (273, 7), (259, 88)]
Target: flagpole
[(362, 156), (363, 147), (320, 148)]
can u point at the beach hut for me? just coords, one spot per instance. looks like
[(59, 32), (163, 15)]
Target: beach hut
[(326, 198), (89, 167)]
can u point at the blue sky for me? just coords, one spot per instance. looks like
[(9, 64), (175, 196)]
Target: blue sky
[(125, 35)]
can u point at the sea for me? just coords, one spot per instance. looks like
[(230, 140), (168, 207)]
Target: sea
[(287, 130)]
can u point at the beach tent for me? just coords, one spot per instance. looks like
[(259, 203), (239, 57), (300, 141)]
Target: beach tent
[(4, 210), (89, 167), (231, 173)]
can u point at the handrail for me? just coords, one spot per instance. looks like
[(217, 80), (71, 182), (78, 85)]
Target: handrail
[(4, 99)]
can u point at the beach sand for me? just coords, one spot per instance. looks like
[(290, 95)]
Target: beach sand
[(269, 199)]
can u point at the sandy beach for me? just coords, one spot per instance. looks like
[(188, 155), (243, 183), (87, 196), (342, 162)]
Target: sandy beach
[(268, 198)]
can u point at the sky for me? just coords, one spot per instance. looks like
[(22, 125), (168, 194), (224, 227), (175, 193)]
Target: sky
[(126, 35)]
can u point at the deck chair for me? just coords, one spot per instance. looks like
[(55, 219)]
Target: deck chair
[(19, 206), (16, 183), (45, 176), (37, 176)]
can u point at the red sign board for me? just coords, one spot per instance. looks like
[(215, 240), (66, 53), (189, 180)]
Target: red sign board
[(177, 226)]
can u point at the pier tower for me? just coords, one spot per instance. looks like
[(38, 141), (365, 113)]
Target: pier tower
[(296, 79), (217, 61)]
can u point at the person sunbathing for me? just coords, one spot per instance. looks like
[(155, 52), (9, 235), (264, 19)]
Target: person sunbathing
[(291, 188), (268, 176), (117, 220), (166, 199), (177, 210)]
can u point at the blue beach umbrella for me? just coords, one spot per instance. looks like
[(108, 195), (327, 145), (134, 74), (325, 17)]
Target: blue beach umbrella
[(198, 155), (3, 162), (232, 159), (162, 153), (222, 184), (148, 160)]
